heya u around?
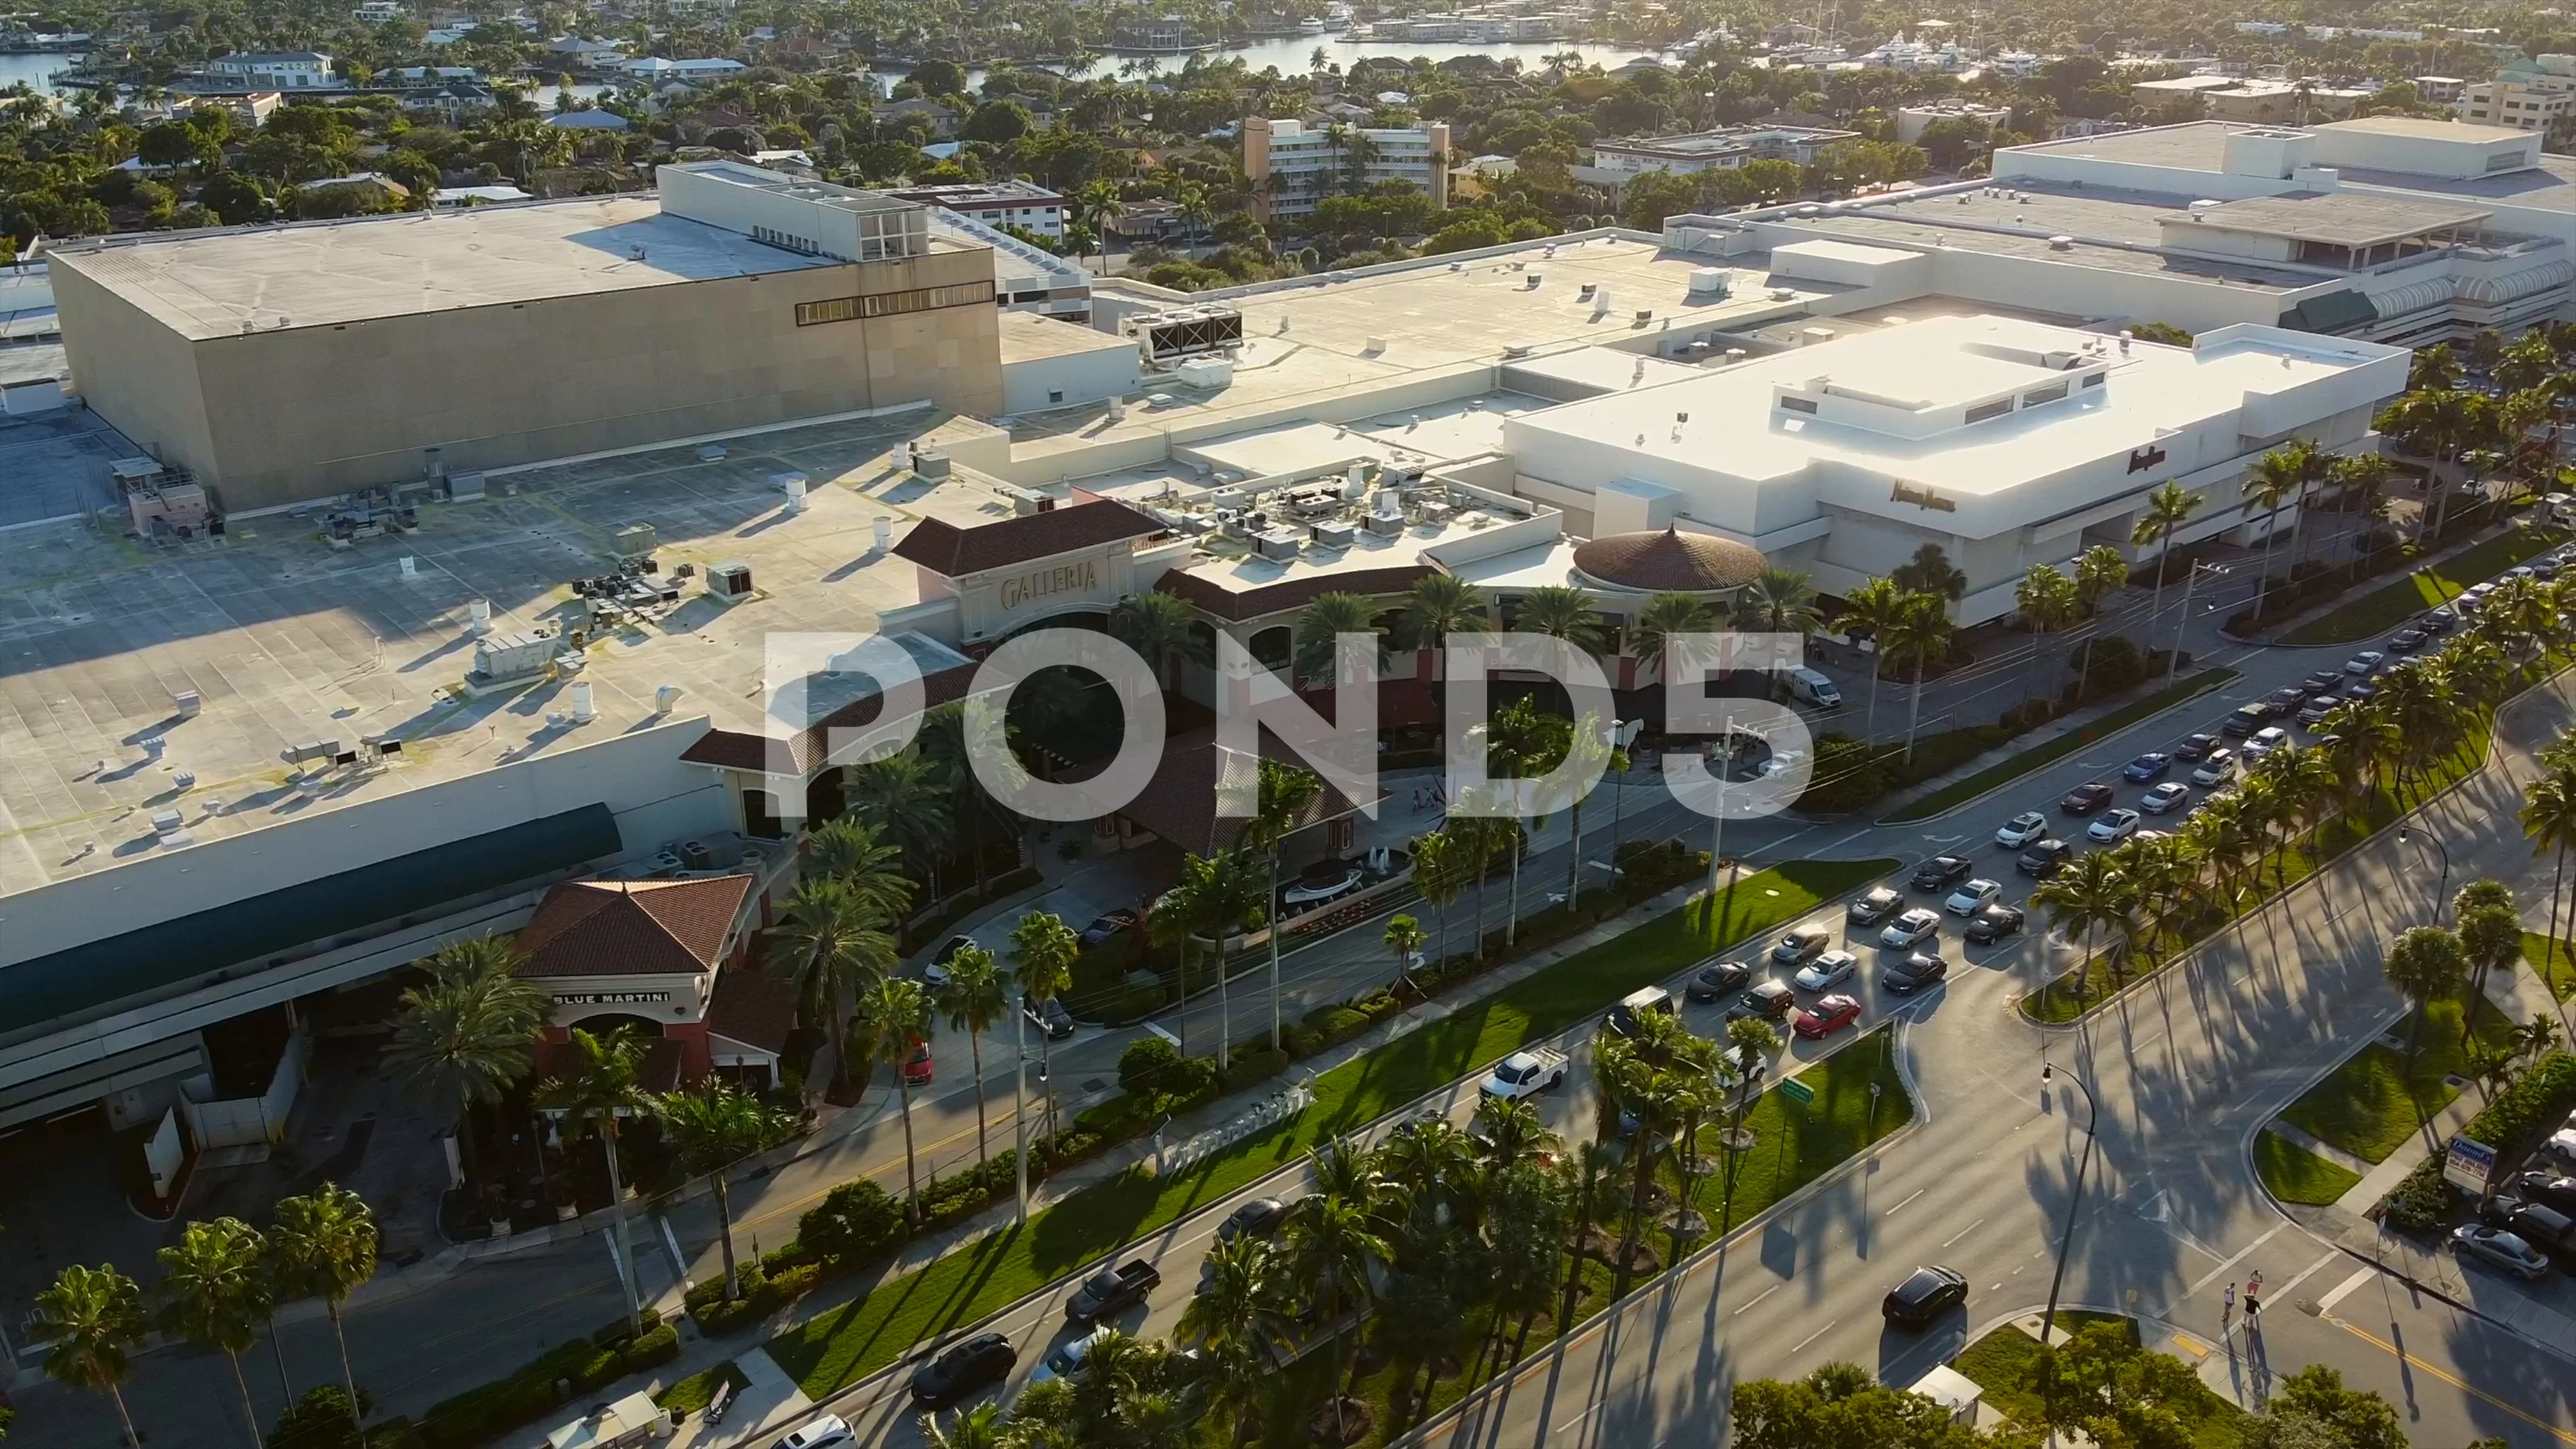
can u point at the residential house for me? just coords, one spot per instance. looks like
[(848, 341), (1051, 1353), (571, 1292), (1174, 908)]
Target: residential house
[(272, 70)]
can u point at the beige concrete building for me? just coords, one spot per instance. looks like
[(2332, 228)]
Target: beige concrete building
[(292, 363)]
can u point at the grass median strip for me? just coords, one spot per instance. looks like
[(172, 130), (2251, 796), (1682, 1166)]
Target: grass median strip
[(1794, 1145), (842, 1345), (2555, 962), (2372, 1104), (2386, 607), (2294, 1174), (2039, 756)]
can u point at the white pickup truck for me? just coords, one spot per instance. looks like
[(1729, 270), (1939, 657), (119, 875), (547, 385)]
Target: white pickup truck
[(1525, 1074)]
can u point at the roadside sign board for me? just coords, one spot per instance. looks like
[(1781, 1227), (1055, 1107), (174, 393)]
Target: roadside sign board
[(1797, 1091), (2470, 1165)]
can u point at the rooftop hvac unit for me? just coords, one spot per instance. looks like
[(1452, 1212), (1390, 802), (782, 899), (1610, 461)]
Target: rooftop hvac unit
[(635, 540), (930, 462), (729, 581), (1708, 281), (513, 656), (1161, 337), (1337, 534), (1384, 525), (1205, 372), (1279, 543)]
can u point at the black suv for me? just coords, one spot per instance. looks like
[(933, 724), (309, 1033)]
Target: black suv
[(2085, 799), (1993, 924), (2043, 858), (1942, 871), (1924, 1296), (1709, 983)]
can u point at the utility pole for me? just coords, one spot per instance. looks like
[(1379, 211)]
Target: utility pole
[(1020, 1101)]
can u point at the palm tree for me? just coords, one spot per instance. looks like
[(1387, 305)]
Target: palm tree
[(837, 941), (893, 1018), (710, 1130), (980, 1427), (91, 1318), (1319, 630), (1403, 937), (1921, 634), (1219, 895), (1240, 1323), (1561, 611), (217, 1294), (1162, 630), (1440, 872), (2168, 508), (2425, 964), (2549, 823), (1780, 601), (2281, 473), (2046, 599), (1333, 1247), (1655, 636), (1930, 571), (1286, 794), (2490, 932), (847, 850), (907, 797), (2088, 892), (606, 1084), (324, 1246), (468, 1034), (1043, 950), (1873, 609), (974, 996), (1508, 1134), (1438, 606)]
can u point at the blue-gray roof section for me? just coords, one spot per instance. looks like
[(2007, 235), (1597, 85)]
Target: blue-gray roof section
[(257, 930)]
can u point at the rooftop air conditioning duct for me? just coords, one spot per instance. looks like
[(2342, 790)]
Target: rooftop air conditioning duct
[(2061, 243)]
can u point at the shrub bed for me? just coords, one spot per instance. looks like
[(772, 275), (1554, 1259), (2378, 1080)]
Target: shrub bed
[(546, 1383)]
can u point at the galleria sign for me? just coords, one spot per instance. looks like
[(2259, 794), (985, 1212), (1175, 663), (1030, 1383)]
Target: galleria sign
[(1072, 578)]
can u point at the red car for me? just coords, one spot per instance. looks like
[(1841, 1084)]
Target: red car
[(1829, 1015), (916, 1072)]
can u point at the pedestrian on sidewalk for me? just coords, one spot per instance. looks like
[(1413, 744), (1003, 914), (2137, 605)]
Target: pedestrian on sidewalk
[(2254, 1303)]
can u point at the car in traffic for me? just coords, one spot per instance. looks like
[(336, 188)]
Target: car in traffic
[(1879, 903), (2021, 830), (2499, 1249), (2320, 682), (2439, 621), (2359, 690), (962, 1368), (1800, 944), (1637, 1005), (1065, 1359), (817, 1433), (1112, 1290), (1828, 971), (2168, 796), (1993, 924), (2280, 703), (2244, 720), (2407, 641), (2114, 827), (1524, 1074), (1917, 972), (1258, 1218), (2085, 799), (2195, 746), (1827, 1016), (1903, 932), (1050, 1018), (1105, 926), (1971, 896), (1938, 872), (917, 1068), (2365, 662), (2150, 766), (1925, 1295), (1712, 981), (2218, 769), (2044, 858), (2314, 712), (1767, 1001)]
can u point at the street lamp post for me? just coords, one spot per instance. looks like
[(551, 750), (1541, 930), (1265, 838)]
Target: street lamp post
[(1725, 755), (2173, 659), (1020, 1099), (2441, 892), (2092, 1115)]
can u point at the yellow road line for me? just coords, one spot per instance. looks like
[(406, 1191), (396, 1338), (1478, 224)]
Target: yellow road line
[(2563, 1435)]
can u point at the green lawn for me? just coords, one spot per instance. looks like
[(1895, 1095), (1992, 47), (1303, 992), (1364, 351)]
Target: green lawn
[(2061, 1001), (692, 1394), (2037, 756), (2000, 1361), (844, 1344), (2555, 962), (2372, 1104), (2294, 1174), (2383, 609), (1796, 1144)]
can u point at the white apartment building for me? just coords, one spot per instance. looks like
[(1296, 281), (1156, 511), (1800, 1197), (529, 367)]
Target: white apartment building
[(276, 70), (1723, 149), (1292, 165), (2520, 106), (1023, 204)]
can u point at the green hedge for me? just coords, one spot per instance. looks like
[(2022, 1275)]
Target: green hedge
[(2538, 1098), (581, 1366)]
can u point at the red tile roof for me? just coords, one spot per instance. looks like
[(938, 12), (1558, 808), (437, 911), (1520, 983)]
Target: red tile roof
[(944, 548), (1179, 802), (753, 1008), (632, 927)]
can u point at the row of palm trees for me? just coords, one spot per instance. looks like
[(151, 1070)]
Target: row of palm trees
[(223, 1283), (2153, 895), (2511, 434)]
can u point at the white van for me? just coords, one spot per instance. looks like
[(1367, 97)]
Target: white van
[(1809, 687)]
